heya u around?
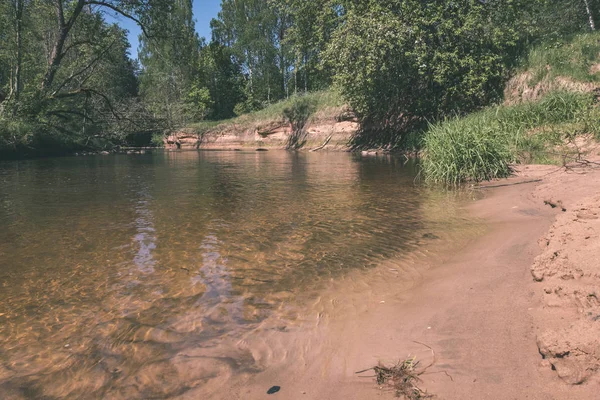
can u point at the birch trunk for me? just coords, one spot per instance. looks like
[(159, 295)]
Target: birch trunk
[(589, 13)]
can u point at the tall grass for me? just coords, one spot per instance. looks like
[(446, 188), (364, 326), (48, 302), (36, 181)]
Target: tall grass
[(465, 149), (483, 145)]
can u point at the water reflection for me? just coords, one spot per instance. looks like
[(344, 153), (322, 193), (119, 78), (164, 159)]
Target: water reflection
[(144, 237), (126, 277)]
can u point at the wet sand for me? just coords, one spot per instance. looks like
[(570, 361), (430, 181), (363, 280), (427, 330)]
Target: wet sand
[(479, 308)]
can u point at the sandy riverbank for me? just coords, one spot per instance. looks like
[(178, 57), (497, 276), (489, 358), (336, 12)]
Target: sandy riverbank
[(497, 332)]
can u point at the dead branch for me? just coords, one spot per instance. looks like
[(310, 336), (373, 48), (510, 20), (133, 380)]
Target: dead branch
[(324, 144)]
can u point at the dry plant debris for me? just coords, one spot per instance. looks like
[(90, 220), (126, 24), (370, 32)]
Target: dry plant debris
[(403, 377)]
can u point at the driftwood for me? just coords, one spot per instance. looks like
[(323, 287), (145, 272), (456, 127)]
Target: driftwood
[(324, 144), (509, 184)]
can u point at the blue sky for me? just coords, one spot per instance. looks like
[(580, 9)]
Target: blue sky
[(204, 11)]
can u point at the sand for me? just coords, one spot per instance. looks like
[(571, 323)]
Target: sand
[(512, 314)]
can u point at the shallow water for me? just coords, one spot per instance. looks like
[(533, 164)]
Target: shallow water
[(114, 268)]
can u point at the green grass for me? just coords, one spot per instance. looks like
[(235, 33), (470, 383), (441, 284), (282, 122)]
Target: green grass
[(572, 59), (326, 104), (483, 145)]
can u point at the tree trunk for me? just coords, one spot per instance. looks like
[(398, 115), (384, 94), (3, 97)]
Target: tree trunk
[(305, 73), (57, 53), (590, 16), (18, 83)]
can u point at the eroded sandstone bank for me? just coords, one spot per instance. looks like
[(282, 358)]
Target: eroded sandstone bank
[(325, 135)]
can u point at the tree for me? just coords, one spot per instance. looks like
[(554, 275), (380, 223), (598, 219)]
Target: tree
[(254, 32), (65, 74), (401, 63), (310, 29), (169, 64), (223, 79)]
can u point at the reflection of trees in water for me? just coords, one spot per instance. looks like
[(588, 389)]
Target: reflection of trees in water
[(145, 232), (297, 219)]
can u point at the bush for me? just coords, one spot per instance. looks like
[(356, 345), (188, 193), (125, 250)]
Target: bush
[(14, 133), (297, 114)]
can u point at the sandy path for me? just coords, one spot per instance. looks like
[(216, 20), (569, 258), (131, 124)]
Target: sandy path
[(480, 310)]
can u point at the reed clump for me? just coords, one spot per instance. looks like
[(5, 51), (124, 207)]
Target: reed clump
[(482, 146)]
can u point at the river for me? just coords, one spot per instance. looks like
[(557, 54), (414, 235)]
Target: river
[(114, 269)]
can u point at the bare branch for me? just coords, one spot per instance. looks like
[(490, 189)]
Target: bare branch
[(119, 11), (77, 44), (91, 64), (60, 114)]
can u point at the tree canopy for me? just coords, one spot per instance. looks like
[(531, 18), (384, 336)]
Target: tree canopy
[(68, 78)]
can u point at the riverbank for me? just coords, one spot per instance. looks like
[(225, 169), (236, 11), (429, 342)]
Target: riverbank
[(327, 134), (495, 330), (328, 124)]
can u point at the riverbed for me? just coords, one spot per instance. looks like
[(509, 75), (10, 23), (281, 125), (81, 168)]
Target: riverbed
[(164, 274)]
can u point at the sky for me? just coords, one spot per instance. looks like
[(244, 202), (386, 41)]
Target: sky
[(204, 11)]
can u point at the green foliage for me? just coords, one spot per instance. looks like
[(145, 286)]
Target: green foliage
[(76, 88), (465, 149), (297, 114), (222, 76), (254, 31), (553, 20), (323, 103), (198, 103), (14, 134), (397, 63), (312, 24), (400, 63), (572, 58), (169, 63), (482, 145)]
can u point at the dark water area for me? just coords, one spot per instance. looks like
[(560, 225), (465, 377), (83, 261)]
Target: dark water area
[(111, 266)]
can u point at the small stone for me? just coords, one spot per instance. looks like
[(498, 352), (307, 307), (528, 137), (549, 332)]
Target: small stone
[(274, 390)]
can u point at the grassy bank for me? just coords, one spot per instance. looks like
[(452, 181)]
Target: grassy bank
[(326, 104), (482, 145), (550, 102)]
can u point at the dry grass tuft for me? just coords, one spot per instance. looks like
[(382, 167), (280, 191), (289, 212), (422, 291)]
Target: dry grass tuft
[(404, 377)]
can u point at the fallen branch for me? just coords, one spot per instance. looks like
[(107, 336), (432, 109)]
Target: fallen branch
[(508, 184), (324, 144)]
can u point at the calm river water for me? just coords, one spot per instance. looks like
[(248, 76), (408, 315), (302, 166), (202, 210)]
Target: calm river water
[(111, 267)]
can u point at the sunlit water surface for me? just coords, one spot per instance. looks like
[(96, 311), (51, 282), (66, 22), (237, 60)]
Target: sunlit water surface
[(111, 266)]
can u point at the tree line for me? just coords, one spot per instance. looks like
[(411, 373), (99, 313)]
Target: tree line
[(68, 80)]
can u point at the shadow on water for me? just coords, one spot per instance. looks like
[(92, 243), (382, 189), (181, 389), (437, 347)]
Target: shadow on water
[(114, 268)]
